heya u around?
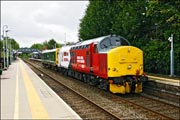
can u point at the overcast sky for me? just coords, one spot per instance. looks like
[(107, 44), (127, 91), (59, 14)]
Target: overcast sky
[(32, 22)]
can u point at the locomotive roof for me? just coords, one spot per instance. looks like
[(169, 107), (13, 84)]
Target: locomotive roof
[(65, 48), (95, 40)]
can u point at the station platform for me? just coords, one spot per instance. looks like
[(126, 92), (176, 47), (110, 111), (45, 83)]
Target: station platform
[(25, 96), (174, 82)]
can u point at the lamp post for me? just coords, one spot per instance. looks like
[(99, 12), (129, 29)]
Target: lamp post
[(7, 59), (171, 56), (4, 50), (9, 46), (10, 49), (1, 65)]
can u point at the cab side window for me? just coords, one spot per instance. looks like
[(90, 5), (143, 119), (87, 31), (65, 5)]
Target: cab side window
[(95, 48)]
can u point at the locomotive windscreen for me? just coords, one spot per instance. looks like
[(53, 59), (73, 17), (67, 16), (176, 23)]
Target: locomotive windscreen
[(112, 42)]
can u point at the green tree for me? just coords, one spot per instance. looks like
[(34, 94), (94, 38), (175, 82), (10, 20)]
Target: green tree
[(51, 44), (14, 44), (164, 19), (147, 24), (37, 46), (129, 18), (45, 45), (97, 20)]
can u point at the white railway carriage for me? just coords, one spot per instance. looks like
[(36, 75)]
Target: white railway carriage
[(64, 58)]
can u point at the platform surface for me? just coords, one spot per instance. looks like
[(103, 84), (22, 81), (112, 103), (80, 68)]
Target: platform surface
[(25, 96), (168, 81)]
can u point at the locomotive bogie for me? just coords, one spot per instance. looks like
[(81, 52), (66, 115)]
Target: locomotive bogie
[(138, 87), (126, 86)]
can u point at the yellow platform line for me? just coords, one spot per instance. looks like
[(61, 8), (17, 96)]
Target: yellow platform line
[(37, 109), (16, 107)]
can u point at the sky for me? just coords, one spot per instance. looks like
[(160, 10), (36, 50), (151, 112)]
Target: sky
[(33, 22)]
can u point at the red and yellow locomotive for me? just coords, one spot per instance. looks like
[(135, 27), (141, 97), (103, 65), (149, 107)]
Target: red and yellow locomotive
[(108, 62)]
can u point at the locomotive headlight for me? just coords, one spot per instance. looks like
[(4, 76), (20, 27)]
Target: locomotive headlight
[(129, 66), (141, 67), (114, 69)]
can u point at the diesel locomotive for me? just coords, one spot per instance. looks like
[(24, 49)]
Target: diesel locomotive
[(108, 62)]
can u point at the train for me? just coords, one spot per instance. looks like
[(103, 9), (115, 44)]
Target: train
[(108, 62), (35, 55)]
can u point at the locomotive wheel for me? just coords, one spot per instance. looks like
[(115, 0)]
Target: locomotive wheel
[(103, 84)]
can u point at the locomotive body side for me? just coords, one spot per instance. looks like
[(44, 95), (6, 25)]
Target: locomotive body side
[(80, 58), (85, 58), (99, 63)]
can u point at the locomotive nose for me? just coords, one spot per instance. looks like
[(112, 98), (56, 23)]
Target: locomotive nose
[(125, 60)]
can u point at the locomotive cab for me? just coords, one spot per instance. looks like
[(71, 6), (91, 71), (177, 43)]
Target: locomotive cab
[(124, 65)]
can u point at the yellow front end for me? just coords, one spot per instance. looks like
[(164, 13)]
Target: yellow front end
[(117, 88), (124, 61), (57, 52)]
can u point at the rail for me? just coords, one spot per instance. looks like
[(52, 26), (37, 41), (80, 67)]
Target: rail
[(117, 101)]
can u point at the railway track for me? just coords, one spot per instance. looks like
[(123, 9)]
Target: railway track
[(163, 87), (173, 111), (162, 93), (112, 106)]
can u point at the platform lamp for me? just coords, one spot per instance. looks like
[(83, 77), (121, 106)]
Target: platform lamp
[(171, 56), (7, 59), (4, 50)]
